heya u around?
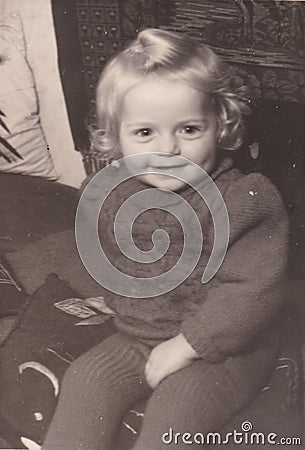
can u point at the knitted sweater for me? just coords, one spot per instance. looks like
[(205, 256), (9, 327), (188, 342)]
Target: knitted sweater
[(239, 305)]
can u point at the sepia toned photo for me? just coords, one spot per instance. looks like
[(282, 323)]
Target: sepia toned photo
[(152, 224)]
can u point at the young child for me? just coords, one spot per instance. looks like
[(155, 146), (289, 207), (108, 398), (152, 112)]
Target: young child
[(201, 352)]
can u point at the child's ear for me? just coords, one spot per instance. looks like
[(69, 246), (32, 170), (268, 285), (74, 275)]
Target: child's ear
[(219, 132)]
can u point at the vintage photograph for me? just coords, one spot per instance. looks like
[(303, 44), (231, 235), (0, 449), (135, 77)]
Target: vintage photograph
[(152, 224)]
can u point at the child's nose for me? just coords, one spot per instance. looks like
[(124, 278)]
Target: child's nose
[(170, 145)]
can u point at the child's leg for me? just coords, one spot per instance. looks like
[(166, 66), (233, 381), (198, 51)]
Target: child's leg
[(202, 398), (97, 390)]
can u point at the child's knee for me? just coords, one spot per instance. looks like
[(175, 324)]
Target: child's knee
[(90, 368), (78, 370)]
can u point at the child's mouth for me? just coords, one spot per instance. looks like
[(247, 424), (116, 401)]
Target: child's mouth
[(166, 164), (167, 167)]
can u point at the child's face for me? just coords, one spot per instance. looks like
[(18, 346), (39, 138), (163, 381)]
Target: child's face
[(171, 118)]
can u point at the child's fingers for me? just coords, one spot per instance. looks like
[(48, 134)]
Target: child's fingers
[(153, 374), (154, 369), (152, 380), (148, 375)]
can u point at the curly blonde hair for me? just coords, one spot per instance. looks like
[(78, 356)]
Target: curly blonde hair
[(174, 56)]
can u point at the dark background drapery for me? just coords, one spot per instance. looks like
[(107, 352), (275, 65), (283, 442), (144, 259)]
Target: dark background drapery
[(263, 39)]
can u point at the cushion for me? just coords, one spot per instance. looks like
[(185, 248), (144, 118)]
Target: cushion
[(19, 106), (37, 354)]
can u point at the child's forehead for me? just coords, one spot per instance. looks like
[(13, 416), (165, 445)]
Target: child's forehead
[(165, 91)]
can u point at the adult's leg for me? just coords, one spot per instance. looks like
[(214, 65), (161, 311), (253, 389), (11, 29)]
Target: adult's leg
[(202, 398), (97, 390)]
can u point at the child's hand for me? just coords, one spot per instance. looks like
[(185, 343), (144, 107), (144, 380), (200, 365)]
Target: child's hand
[(167, 358)]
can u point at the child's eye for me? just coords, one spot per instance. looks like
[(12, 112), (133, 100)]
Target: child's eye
[(191, 131), (143, 133)]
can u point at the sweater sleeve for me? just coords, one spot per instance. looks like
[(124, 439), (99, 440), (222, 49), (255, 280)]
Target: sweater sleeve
[(245, 294)]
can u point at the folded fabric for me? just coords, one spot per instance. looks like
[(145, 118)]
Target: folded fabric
[(12, 296), (13, 300), (19, 105), (35, 357)]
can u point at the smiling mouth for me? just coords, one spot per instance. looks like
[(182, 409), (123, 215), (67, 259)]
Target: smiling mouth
[(166, 162), (166, 166)]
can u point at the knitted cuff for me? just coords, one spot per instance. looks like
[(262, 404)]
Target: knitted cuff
[(200, 341)]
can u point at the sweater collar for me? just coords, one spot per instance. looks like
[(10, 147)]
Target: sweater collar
[(166, 198)]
